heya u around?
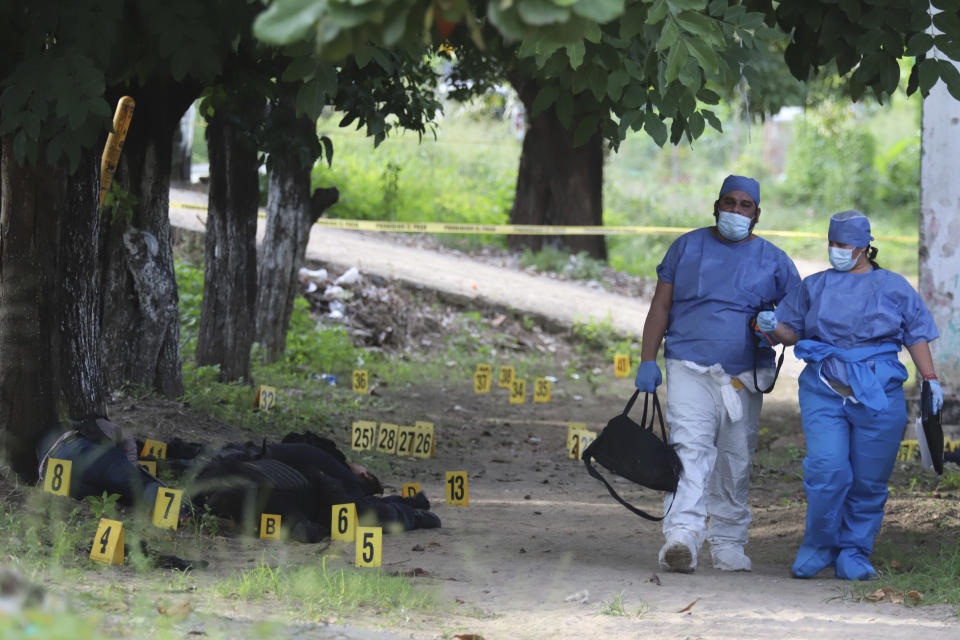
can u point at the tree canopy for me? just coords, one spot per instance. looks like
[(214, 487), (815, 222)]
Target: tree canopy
[(652, 65)]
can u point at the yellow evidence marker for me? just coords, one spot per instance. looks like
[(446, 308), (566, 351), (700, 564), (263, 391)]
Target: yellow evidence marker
[(343, 521), (573, 438), (409, 489), (154, 449), (387, 438), (266, 398), (361, 381), (458, 493), (541, 390), (150, 466), (518, 391), (621, 365), (108, 542), (269, 526), (406, 439), (56, 479), (423, 439), (481, 381), (166, 508), (363, 436), (586, 437), (369, 546), (505, 377)]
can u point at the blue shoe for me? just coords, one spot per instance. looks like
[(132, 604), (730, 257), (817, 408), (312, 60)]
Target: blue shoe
[(812, 559), (852, 564)]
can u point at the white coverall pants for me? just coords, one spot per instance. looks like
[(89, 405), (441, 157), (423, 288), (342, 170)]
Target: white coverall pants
[(714, 427)]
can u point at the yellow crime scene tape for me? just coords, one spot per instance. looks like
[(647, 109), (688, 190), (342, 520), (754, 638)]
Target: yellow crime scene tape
[(531, 229)]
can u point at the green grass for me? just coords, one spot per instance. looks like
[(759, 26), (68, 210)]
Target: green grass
[(324, 591), (910, 567)]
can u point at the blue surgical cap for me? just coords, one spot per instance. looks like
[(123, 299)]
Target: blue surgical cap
[(850, 227), (740, 183)]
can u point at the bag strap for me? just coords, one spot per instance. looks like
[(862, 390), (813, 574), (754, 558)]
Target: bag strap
[(640, 512), (658, 413)]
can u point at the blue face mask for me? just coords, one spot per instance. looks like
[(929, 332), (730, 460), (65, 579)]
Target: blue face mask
[(733, 226), (842, 259)]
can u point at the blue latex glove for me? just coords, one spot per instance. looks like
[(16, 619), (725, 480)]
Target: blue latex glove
[(648, 376), (936, 392), (766, 321)]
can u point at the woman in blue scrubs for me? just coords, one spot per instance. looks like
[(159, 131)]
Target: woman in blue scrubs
[(849, 323)]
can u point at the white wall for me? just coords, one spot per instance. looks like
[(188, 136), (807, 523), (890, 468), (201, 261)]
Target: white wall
[(939, 280)]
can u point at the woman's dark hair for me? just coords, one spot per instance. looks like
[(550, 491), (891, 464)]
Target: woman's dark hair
[(872, 255)]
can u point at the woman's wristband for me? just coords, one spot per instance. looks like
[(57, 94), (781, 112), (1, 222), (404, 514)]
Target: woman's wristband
[(930, 376)]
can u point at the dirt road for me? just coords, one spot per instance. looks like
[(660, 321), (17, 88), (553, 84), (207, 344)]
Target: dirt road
[(543, 552)]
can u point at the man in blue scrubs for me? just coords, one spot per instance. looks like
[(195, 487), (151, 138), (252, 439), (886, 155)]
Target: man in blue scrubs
[(710, 284)]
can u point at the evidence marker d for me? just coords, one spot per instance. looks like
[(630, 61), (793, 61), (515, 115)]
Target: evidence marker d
[(457, 490), (621, 365), (154, 449), (166, 508), (410, 489), (108, 542), (270, 526), (343, 521), (266, 398), (56, 478), (369, 547)]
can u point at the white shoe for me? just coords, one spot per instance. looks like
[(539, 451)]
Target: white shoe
[(678, 555), (730, 558)]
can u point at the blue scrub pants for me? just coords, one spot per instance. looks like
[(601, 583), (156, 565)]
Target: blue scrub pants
[(851, 451)]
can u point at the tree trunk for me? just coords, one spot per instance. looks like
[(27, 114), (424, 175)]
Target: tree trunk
[(31, 200), (50, 296), (140, 319), (557, 183), (80, 294), (291, 213), (230, 274)]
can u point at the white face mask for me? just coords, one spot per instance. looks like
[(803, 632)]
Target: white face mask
[(733, 226), (842, 259)]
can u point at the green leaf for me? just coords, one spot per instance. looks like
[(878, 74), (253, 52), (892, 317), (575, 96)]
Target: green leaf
[(545, 97), (575, 52), (688, 5), (707, 96), (950, 47), (506, 21), (929, 74), (327, 149), (396, 25), (675, 61), (712, 119), (655, 128), (287, 21), (948, 23), (701, 26), (696, 125), (951, 76), (541, 12), (668, 36), (631, 24), (919, 43), (690, 77), (657, 13), (615, 84), (311, 98), (299, 69), (602, 11), (705, 55), (585, 130)]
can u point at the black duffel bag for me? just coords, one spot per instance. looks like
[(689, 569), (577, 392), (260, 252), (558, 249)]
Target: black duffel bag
[(632, 451)]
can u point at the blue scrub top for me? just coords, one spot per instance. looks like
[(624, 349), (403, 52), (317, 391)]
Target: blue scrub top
[(849, 310), (718, 286)]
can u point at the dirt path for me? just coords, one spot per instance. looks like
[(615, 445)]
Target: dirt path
[(542, 548)]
